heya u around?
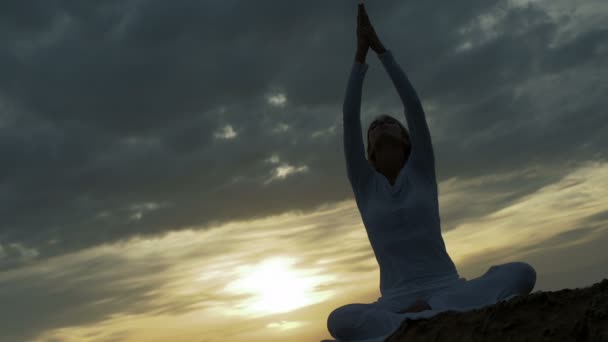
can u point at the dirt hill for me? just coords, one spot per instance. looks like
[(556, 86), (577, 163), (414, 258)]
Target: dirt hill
[(579, 314)]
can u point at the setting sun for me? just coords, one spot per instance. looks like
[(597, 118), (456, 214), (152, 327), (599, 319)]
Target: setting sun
[(276, 287)]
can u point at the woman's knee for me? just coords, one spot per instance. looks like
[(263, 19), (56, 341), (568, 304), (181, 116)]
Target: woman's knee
[(343, 321), (528, 276), (522, 273)]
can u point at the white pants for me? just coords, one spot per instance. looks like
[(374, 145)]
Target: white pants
[(373, 322)]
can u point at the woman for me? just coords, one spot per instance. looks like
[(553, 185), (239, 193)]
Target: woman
[(396, 194)]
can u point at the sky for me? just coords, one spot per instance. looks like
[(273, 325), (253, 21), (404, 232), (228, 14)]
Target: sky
[(175, 170)]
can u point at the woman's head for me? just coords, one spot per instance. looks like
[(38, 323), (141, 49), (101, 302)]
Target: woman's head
[(388, 142)]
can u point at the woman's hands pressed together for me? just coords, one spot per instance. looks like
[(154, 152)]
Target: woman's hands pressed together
[(366, 35), (362, 40)]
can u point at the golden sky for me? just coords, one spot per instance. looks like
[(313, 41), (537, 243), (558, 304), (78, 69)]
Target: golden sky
[(279, 277)]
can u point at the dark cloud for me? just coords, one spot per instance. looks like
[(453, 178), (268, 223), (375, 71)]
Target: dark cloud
[(109, 110)]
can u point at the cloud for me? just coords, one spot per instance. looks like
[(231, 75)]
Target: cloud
[(112, 106), (556, 222), (184, 281), (108, 289)]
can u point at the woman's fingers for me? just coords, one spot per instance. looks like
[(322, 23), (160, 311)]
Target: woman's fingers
[(367, 25), (363, 12), (366, 20), (363, 21), (364, 28)]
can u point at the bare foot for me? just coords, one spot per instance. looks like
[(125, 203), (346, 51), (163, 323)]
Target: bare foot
[(419, 305)]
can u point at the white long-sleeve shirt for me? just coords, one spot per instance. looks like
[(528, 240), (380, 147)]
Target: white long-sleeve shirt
[(402, 220)]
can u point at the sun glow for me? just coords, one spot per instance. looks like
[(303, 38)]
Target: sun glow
[(276, 287)]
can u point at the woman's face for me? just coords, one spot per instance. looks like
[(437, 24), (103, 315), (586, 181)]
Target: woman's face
[(388, 152), (384, 129), (388, 144)]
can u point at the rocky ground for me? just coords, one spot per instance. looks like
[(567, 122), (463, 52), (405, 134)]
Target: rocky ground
[(579, 314)]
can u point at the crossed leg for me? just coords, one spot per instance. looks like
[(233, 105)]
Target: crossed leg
[(500, 282)]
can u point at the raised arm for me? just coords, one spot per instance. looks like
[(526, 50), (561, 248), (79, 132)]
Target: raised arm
[(358, 169), (422, 156)]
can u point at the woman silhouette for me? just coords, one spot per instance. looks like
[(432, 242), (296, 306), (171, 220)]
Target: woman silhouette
[(396, 194)]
